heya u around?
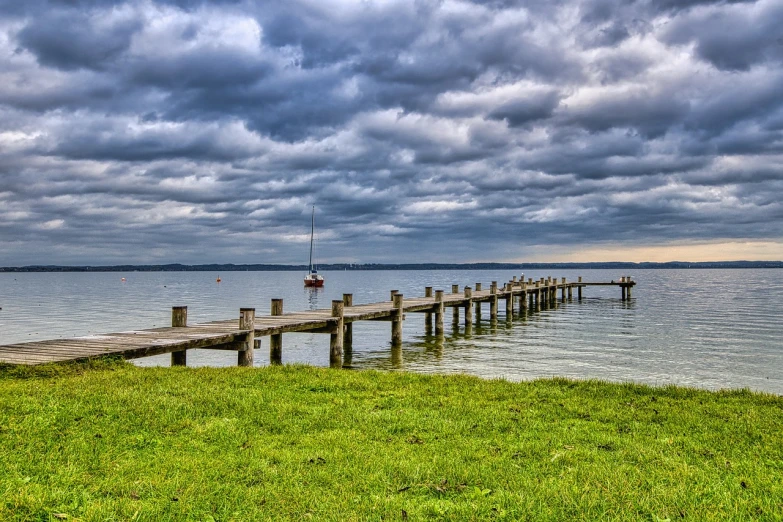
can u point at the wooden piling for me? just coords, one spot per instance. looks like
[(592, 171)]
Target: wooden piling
[(579, 290), (468, 306), (428, 315), (336, 335), (179, 319), (455, 309), (247, 321), (563, 290), (522, 297), (509, 301), (493, 300), (276, 340), (628, 290), (348, 329), (392, 294), (439, 312), (396, 336)]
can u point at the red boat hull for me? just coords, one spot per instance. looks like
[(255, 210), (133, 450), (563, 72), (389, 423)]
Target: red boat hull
[(314, 283)]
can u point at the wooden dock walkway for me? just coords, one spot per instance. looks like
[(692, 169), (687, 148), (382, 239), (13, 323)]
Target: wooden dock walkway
[(243, 336)]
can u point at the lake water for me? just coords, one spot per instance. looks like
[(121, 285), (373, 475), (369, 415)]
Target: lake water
[(704, 328)]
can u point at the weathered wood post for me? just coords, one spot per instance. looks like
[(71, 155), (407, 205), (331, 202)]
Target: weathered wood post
[(468, 306), (478, 304), (276, 340), (179, 319), (336, 335), (493, 300), (397, 321), (523, 297), (579, 290), (348, 330), (628, 290), (509, 301), (563, 290), (247, 321), (538, 294), (392, 294), (428, 315), (438, 312), (455, 309), (622, 288), (514, 279)]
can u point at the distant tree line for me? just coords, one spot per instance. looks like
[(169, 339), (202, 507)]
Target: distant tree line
[(176, 267)]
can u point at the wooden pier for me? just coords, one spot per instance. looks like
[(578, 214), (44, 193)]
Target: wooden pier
[(244, 336)]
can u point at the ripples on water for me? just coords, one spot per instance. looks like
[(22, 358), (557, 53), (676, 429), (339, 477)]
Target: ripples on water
[(706, 328)]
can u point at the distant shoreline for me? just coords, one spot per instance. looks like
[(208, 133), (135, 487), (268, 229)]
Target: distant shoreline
[(392, 266)]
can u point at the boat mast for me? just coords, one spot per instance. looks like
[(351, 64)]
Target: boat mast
[(312, 231)]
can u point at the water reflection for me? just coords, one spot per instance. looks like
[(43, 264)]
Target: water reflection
[(312, 295)]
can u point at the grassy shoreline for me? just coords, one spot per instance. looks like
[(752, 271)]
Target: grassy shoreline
[(111, 441)]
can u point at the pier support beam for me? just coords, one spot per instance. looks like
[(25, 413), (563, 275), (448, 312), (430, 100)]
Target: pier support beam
[(247, 321), (579, 290), (336, 336), (509, 302), (622, 288), (563, 290), (523, 298), (455, 309), (428, 315), (493, 301), (276, 340), (439, 312), (396, 333), (628, 290), (348, 330), (468, 306), (179, 319)]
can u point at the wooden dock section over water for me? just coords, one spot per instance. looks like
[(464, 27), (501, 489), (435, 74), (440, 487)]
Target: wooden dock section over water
[(243, 336)]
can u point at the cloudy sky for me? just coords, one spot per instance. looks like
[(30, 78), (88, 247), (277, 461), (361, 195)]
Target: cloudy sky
[(456, 131)]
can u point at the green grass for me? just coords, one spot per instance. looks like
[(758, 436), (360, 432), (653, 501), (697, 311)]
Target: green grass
[(110, 441)]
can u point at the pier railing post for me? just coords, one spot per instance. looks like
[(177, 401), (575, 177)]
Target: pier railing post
[(579, 289), (392, 294), (493, 301), (179, 319), (276, 340), (522, 300), (455, 309), (348, 330), (439, 312), (428, 315), (396, 334), (509, 301), (247, 321), (468, 306), (336, 335)]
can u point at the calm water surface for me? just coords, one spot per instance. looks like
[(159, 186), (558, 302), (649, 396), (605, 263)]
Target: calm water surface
[(705, 328)]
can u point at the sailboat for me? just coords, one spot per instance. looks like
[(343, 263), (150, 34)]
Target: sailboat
[(313, 278)]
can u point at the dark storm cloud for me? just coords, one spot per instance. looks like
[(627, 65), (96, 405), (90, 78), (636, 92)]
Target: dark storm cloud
[(78, 40), (160, 130)]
